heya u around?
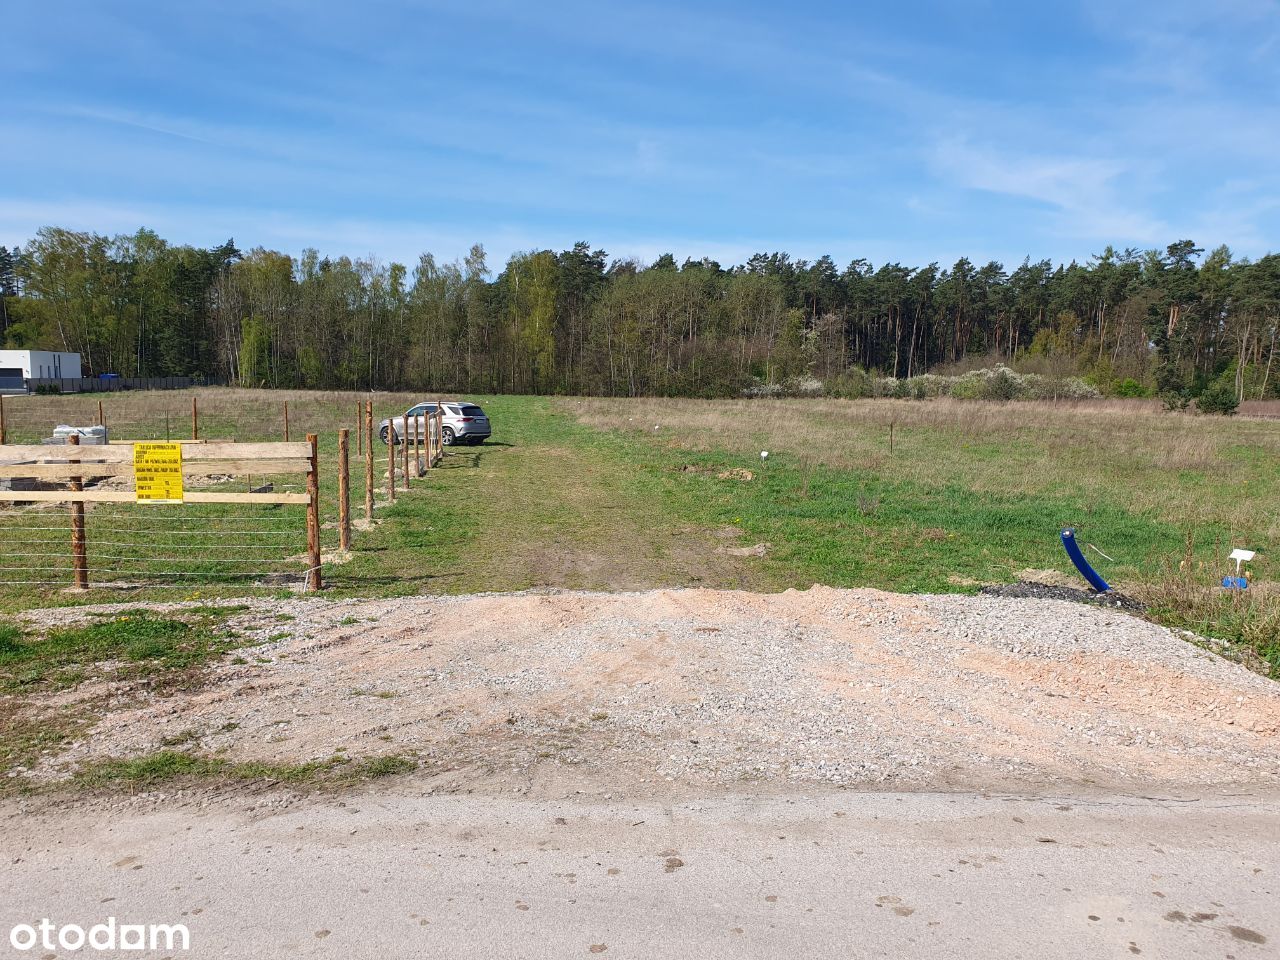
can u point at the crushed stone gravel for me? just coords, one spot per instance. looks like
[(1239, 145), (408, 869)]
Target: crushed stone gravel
[(1031, 590), (548, 693)]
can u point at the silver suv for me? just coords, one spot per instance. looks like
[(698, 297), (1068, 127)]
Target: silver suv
[(464, 422)]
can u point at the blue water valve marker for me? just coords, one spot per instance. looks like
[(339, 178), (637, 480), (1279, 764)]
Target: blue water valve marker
[(1086, 571)]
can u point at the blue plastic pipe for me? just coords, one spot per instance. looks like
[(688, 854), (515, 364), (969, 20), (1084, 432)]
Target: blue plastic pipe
[(1086, 571)]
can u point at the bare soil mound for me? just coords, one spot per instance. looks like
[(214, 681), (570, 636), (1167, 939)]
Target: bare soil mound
[(671, 688)]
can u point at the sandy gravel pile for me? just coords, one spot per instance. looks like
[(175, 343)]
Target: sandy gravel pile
[(546, 692)]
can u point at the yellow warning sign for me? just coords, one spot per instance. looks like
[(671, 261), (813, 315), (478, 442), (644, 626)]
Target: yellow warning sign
[(157, 472)]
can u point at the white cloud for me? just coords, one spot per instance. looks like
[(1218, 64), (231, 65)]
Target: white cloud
[(1085, 195)]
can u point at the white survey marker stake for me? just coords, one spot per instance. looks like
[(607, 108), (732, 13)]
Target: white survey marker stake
[(1241, 556)]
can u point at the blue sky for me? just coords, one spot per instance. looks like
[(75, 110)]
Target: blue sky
[(905, 131)]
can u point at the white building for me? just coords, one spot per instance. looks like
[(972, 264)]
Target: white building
[(19, 366)]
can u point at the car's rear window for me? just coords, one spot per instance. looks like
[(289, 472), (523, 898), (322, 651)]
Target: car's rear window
[(472, 412)]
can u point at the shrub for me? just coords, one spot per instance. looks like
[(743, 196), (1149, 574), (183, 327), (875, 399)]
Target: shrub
[(1129, 387), (1219, 396), (885, 387), (967, 387), (854, 384), (803, 386), (991, 383), (1003, 385)]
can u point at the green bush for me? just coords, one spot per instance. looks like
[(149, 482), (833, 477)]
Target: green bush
[(1129, 387), (1219, 396), (854, 384), (969, 387), (1002, 385)]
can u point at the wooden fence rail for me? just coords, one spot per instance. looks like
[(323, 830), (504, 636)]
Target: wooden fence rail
[(76, 465)]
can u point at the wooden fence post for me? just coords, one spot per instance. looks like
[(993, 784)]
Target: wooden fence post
[(286, 421), (391, 462), (3, 434), (359, 427), (417, 449), (368, 462), (428, 443), (313, 515), (195, 420), (404, 447), (79, 553), (344, 489), (101, 420), (421, 447)]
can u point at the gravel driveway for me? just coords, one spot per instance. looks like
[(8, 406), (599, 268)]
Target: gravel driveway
[(548, 694)]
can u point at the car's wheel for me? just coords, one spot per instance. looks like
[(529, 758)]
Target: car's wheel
[(448, 436), (386, 435)]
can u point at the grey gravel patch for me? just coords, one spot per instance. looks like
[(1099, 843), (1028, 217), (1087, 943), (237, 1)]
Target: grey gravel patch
[(1027, 590)]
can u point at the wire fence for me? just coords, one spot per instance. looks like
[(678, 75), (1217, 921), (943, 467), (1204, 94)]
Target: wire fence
[(222, 413), (142, 545), (113, 541)]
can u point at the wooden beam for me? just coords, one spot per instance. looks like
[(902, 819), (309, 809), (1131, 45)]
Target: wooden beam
[(128, 496), (123, 453)]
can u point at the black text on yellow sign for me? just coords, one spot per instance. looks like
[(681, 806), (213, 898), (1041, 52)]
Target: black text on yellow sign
[(157, 472)]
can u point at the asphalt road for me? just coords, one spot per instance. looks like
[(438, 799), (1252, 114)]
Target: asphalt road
[(845, 874)]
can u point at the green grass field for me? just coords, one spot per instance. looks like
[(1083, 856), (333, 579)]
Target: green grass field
[(629, 494)]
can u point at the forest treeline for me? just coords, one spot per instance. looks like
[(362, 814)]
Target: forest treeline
[(1174, 321)]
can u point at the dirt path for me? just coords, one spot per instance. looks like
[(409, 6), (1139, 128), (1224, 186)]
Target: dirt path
[(552, 512), (686, 690)]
